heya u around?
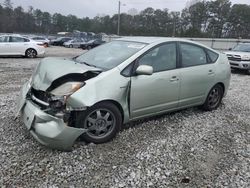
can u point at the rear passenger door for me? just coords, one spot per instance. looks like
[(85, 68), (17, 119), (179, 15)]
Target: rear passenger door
[(197, 74)]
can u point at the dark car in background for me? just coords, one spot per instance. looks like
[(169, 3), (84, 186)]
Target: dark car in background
[(92, 44), (60, 41)]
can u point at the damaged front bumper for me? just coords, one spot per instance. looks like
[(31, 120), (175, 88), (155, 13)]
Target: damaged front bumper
[(49, 130)]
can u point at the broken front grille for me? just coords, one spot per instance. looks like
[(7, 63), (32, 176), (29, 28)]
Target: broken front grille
[(41, 95)]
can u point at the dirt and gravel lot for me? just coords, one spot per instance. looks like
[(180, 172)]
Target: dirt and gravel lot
[(189, 148)]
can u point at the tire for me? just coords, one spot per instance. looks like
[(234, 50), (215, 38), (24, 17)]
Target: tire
[(103, 120), (89, 47), (46, 45), (248, 72), (70, 46), (214, 98), (31, 53)]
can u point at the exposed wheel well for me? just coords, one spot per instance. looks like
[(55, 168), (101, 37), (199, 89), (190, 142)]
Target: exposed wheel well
[(118, 105), (222, 85)]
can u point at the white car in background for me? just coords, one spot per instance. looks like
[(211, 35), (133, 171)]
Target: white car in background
[(43, 40), (15, 45), (239, 57)]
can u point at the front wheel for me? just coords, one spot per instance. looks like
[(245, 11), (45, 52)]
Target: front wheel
[(31, 53), (103, 122), (214, 98)]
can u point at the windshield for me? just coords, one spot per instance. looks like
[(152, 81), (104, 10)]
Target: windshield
[(110, 55), (242, 48)]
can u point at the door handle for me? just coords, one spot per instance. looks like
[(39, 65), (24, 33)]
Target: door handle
[(174, 78), (210, 72)]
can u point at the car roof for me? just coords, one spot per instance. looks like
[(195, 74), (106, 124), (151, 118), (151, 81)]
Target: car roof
[(150, 40)]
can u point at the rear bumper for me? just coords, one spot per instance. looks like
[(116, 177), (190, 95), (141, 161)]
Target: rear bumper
[(48, 130), (41, 51), (244, 65)]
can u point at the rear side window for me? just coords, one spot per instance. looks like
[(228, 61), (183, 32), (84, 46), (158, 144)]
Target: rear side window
[(18, 39), (212, 56), (4, 39), (192, 55)]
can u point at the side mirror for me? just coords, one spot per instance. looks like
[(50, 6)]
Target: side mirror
[(230, 49), (144, 70)]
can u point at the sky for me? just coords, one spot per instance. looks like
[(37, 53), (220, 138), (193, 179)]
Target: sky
[(92, 8)]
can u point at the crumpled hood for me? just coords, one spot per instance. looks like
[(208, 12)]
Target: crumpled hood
[(50, 69)]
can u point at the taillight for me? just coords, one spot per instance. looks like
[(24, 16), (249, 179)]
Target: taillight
[(43, 45)]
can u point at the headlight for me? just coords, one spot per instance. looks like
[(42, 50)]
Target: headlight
[(67, 89), (246, 57)]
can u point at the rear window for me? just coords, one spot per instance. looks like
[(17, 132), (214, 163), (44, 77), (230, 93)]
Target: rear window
[(212, 56)]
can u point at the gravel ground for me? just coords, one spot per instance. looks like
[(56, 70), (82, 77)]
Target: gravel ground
[(189, 148)]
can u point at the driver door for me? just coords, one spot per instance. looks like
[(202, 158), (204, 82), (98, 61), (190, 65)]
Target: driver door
[(158, 92)]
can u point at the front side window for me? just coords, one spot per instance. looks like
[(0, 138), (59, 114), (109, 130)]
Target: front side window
[(192, 55), (111, 54), (161, 58)]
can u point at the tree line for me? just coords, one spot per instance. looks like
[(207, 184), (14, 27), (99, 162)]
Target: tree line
[(214, 19)]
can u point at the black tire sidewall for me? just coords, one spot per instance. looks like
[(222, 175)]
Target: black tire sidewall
[(104, 105), (26, 53), (206, 106)]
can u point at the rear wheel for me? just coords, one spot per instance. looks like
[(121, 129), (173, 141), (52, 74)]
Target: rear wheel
[(31, 53), (214, 98), (71, 46), (248, 72), (89, 47), (103, 122)]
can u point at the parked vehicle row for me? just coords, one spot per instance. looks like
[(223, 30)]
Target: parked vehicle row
[(93, 95)]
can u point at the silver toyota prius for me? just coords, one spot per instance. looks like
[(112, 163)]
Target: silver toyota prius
[(93, 95)]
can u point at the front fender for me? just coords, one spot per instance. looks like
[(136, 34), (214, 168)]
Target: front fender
[(107, 86)]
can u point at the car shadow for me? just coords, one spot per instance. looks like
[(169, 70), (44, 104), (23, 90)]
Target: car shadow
[(240, 72), (138, 123), (20, 57), (187, 112)]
